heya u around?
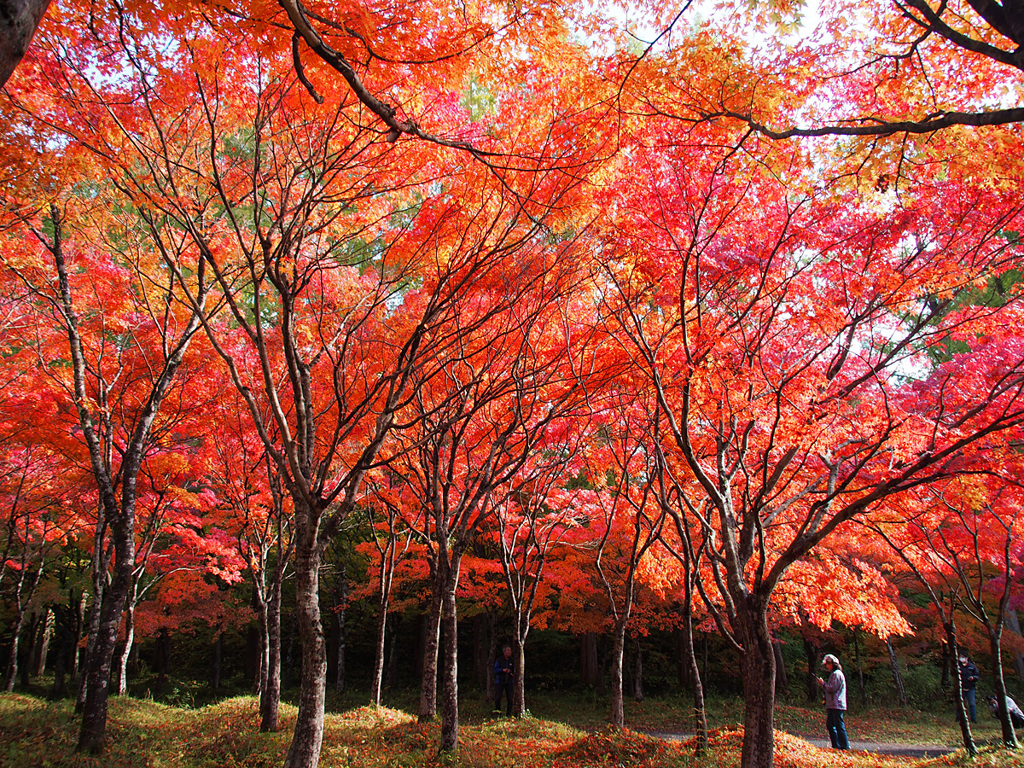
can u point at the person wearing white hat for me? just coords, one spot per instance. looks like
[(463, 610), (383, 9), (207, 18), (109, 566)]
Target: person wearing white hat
[(835, 702)]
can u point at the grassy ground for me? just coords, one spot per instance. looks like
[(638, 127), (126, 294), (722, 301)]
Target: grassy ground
[(35, 732)]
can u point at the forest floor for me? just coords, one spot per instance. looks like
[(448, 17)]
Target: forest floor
[(143, 733)]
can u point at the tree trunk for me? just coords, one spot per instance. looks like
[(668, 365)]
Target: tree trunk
[(341, 608), (995, 646), (758, 666), (218, 653), (700, 718), (101, 656), (163, 660), (961, 707), (126, 649), (392, 664), (682, 663), (377, 679), (518, 675), (897, 678), (431, 638), (76, 652), (481, 646), (307, 740), (18, 22), (289, 659), (618, 713), (811, 656), (590, 672), (450, 668), (781, 679), (11, 673), (66, 641), (860, 666), (638, 671), (25, 663), (270, 696), (947, 663), (42, 645), (1013, 624)]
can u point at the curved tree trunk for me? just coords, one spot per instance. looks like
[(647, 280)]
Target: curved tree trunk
[(126, 649), (961, 708), (700, 718)]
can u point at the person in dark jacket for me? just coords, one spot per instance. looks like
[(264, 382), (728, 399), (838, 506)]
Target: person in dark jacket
[(835, 702), (968, 686), (503, 678)]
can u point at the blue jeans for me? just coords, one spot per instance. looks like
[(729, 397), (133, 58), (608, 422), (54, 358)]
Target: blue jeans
[(971, 704), (836, 727)]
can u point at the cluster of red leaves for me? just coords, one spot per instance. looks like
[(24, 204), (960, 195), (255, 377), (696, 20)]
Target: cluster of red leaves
[(609, 746)]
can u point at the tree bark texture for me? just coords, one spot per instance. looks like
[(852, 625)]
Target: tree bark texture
[(999, 683), (961, 707), (100, 660), (700, 717), (519, 677), (126, 649), (450, 670), (758, 666), (618, 713), (431, 638), (638, 671), (11, 672), (781, 679), (377, 679), (811, 657), (897, 678), (41, 647), (1013, 624), (590, 671), (18, 22), (341, 608), (270, 696), (307, 740)]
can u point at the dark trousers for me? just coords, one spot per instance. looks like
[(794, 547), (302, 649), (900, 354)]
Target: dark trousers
[(836, 726), (970, 704), (503, 686)]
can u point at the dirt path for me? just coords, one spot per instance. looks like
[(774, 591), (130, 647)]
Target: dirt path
[(906, 750)]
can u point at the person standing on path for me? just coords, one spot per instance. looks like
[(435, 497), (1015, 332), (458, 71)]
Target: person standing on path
[(835, 702), (968, 686), (503, 678)]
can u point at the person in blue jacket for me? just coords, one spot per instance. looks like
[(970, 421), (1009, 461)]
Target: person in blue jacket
[(503, 678)]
